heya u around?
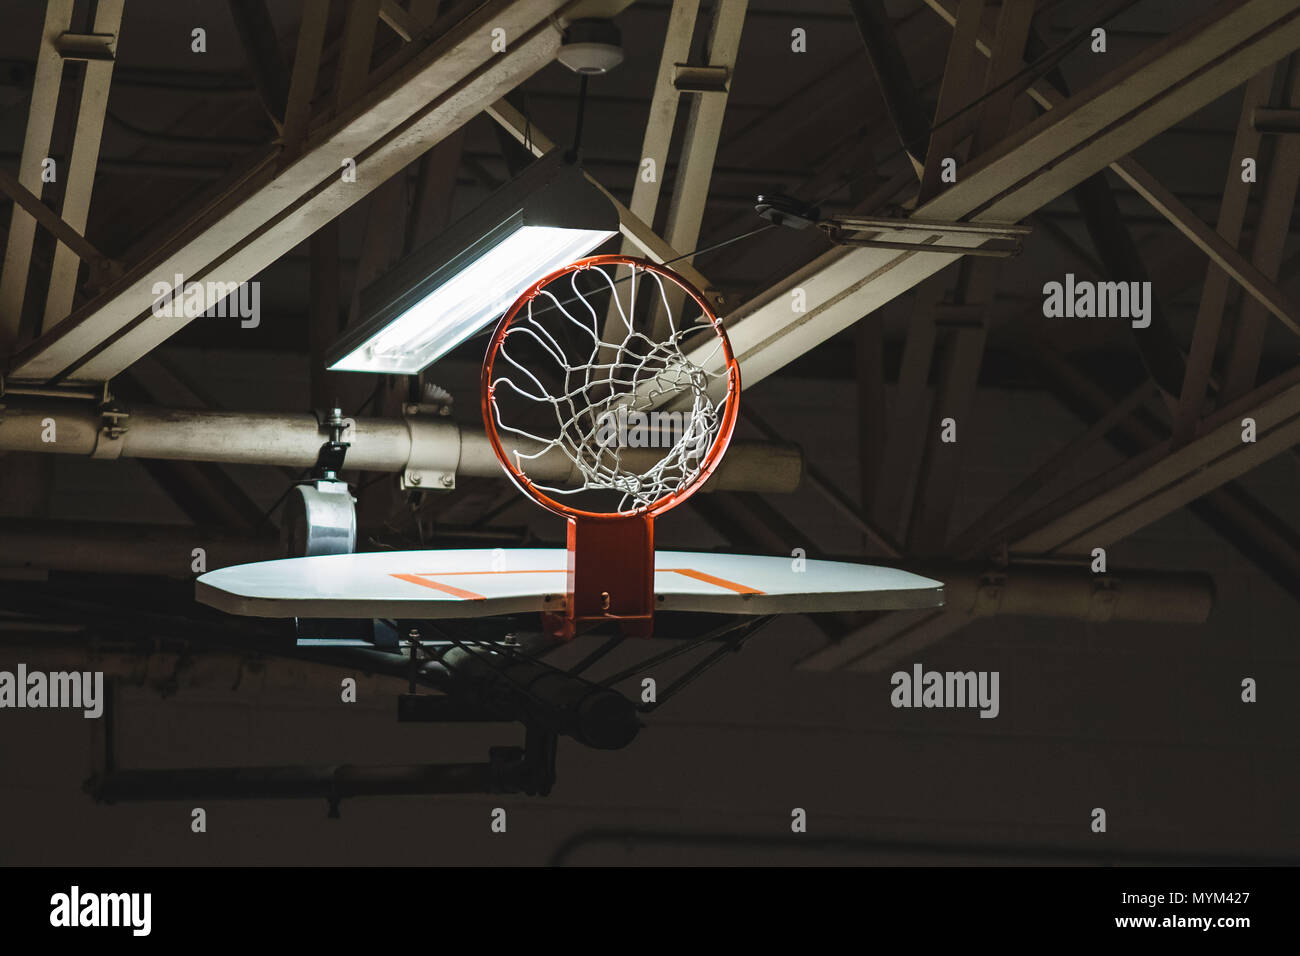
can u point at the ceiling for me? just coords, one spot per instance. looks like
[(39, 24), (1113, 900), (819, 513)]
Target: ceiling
[(1074, 433)]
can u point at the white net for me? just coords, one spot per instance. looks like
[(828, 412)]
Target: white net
[(586, 400)]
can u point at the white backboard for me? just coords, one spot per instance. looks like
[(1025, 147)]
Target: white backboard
[(434, 585)]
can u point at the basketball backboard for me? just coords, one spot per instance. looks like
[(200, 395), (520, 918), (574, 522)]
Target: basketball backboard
[(445, 585)]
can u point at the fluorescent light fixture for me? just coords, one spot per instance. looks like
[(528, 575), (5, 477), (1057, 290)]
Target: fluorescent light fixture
[(452, 287), (458, 308)]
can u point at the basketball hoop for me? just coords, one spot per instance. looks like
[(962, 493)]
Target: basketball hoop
[(600, 403)]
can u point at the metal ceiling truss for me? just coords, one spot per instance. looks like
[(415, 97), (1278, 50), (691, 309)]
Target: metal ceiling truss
[(445, 74), (439, 82), (58, 45), (1171, 474), (1036, 164)]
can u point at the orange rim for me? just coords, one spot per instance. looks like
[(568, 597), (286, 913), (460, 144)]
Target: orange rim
[(729, 414)]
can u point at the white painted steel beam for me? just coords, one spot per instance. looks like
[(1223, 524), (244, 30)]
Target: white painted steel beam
[(1167, 478), (1163, 200), (1064, 592), (663, 111), (270, 211), (1080, 136), (36, 148), (79, 176), (1214, 292), (703, 129)]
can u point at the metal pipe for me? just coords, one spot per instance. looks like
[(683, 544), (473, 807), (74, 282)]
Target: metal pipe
[(1168, 597), (720, 849), (196, 666), (38, 391), (167, 550), (295, 783), (415, 445), (98, 546), (1266, 120)]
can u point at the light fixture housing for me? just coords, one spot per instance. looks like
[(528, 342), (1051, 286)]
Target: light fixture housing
[(591, 46), (458, 283)]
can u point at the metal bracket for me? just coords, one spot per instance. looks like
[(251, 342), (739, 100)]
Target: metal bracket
[(423, 479), (412, 409), (426, 479), (114, 419), (329, 461), (320, 514), (863, 230), (700, 79), (1281, 120), (850, 231), (113, 425), (87, 46)]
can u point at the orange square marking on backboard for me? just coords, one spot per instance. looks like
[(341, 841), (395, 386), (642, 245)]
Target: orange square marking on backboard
[(712, 579), (422, 578), (444, 588)]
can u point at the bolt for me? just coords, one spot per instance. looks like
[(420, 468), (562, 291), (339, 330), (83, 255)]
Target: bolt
[(447, 481), (412, 478)]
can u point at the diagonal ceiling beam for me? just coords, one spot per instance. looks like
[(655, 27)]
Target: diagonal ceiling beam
[(256, 31), (902, 99), (939, 478), (1083, 134), (1214, 291), (1271, 233), (27, 201), (955, 94), (1165, 479), (1162, 199), (450, 79), (1260, 535)]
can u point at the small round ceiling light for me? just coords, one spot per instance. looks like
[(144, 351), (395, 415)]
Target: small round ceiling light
[(591, 46)]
